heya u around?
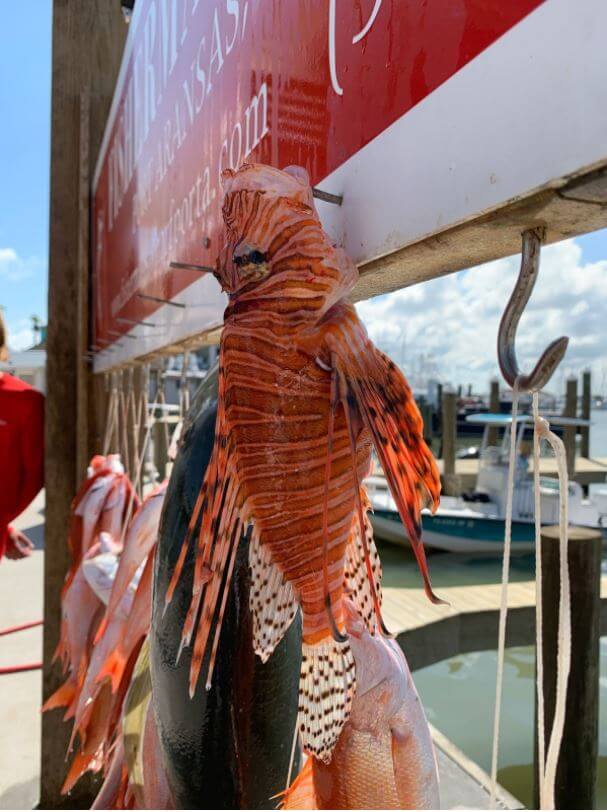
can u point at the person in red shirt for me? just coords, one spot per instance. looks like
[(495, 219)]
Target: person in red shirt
[(21, 453)]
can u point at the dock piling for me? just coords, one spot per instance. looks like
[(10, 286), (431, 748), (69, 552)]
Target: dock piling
[(577, 766), (494, 408), (451, 484), (586, 401), (569, 432)]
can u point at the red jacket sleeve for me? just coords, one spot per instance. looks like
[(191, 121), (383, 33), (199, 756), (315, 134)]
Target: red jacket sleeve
[(32, 447)]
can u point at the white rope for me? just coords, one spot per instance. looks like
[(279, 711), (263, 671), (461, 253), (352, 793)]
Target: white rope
[(110, 421), (539, 621), (135, 484), (547, 764), (501, 644), (292, 757)]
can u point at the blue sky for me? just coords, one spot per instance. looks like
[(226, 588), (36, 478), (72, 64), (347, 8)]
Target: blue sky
[(25, 88), (446, 327)]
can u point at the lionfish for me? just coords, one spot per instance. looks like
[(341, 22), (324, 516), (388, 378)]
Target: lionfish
[(303, 397)]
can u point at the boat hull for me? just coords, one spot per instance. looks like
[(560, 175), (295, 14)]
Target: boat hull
[(455, 534)]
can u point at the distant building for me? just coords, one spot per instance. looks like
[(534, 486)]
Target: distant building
[(30, 366)]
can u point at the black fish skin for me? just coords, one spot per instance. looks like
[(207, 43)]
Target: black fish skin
[(229, 747)]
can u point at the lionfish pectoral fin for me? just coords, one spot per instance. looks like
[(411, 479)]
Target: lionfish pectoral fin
[(220, 530), (389, 412), (365, 532), (327, 684), (271, 600), (356, 579), (338, 636)]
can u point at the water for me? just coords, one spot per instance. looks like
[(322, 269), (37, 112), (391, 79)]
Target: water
[(458, 695), (598, 432)]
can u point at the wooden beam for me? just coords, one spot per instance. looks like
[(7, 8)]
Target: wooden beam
[(576, 207), (88, 40)]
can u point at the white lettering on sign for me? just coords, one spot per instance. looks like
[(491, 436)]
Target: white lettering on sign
[(164, 31), (157, 244), (355, 39)]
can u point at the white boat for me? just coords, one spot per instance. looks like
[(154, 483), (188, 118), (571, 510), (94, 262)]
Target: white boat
[(474, 522)]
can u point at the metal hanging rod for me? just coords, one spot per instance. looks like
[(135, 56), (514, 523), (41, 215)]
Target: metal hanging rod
[(158, 299), (134, 323), (327, 196), (187, 266)]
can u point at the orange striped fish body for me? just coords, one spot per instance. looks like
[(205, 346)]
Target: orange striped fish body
[(278, 410), (302, 396)]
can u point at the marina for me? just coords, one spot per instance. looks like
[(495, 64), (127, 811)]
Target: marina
[(303, 405)]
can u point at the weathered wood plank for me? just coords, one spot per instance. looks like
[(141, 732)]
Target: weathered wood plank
[(88, 39)]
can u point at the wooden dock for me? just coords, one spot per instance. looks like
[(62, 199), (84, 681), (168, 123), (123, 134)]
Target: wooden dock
[(588, 471), (429, 633)]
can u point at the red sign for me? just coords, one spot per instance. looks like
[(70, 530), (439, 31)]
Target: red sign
[(208, 84)]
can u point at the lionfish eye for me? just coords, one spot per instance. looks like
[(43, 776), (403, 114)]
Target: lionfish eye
[(252, 258)]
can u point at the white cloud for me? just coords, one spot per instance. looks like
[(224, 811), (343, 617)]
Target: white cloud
[(20, 339), (16, 268), (448, 327)]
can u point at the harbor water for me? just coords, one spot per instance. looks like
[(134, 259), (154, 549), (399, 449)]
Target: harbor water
[(459, 694)]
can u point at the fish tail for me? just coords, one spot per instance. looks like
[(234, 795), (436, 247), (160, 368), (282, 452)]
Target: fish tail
[(101, 629), (62, 697), (327, 684), (113, 668), (80, 764), (302, 793)]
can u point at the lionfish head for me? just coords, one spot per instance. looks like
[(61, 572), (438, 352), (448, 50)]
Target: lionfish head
[(272, 229)]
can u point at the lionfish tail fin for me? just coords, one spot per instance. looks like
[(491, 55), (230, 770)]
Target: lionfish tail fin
[(327, 683), (388, 410)]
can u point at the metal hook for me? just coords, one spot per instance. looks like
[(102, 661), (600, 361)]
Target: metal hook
[(506, 352)]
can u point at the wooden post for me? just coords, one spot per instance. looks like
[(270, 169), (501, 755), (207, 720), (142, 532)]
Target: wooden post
[(82, 287), (426, 413), (450, 479), (586, 401), (577, 766), (88, 39), (569, 432), (494, 408)]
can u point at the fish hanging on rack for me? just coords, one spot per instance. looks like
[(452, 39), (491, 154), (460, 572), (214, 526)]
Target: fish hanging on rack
[(98, 511), (384, 757), (303, 397)]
